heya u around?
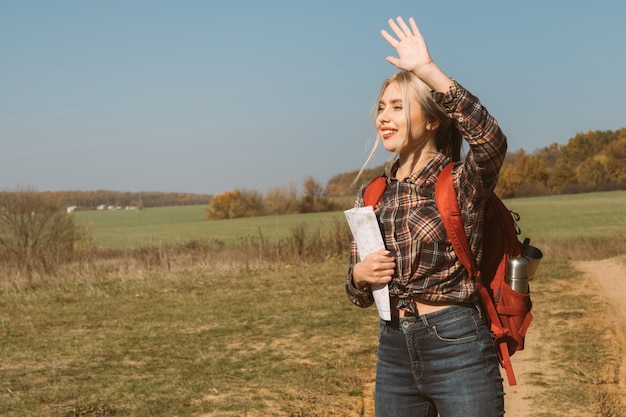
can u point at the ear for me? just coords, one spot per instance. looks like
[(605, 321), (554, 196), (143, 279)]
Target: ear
[(431, 126)]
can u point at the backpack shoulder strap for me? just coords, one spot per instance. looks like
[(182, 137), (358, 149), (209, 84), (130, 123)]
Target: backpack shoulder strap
[(374, 191), (448, 206)]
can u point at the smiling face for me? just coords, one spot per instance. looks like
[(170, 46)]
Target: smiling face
[(400, 121)]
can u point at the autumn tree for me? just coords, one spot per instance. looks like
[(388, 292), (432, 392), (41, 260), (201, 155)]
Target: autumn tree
[(615, 159), (591, 172), (527, 176), (506, 184), (312, 195), (279, 200), (580, 147), (532, 170), (562, 176), (234, 204), (340, 185), (550, 155), (313, 200)]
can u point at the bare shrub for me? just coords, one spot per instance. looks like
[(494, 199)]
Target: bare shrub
[(36, 233), (304, 245)]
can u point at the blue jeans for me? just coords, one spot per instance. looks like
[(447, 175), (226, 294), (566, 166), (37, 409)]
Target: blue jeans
[(443, 363)]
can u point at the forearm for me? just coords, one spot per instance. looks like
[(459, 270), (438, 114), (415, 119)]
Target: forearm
[(481, 131), (360, 295), (434, 77)]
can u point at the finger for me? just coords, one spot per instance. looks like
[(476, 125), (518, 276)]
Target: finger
[(390, 39), (380, 279), (383, 265), (405, 28), (414, 27), (385, 273), (396, 29), (385, 257), (387, 267), (384, 280), (393, 61)]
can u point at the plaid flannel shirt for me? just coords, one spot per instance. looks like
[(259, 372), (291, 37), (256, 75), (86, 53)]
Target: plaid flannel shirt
[(427, 268)]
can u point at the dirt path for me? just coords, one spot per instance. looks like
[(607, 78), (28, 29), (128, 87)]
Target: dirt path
[(606, 277), (610, 275)]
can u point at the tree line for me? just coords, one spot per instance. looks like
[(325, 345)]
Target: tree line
[(591, 161), (90, 200)]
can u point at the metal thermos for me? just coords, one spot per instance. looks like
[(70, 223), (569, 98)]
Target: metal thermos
[(517, 274)]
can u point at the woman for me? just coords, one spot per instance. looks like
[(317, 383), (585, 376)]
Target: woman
[(436, 355)]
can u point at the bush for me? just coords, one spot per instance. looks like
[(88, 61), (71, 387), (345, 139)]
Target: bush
[(36, 233)]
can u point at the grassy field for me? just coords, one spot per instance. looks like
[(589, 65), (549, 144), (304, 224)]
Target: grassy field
[(195, 334), (172, 225), (596, 215)]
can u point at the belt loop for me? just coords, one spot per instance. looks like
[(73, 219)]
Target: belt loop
[(393, 324), (478, 307)]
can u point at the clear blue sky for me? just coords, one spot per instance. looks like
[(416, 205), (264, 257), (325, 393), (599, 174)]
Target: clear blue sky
[(209, 96)]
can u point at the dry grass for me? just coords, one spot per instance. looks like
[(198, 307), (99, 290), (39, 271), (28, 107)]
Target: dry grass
[(177, 333), (255, 329), (183, 332)]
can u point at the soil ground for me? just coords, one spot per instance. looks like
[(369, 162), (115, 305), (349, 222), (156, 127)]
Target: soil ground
[(606, 278)]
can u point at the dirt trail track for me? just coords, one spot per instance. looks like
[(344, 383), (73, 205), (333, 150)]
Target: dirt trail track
[(606, 278)]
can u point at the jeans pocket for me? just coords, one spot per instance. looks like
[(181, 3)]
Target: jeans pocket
[(462, 330)]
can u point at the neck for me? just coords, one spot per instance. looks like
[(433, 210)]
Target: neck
[(414, 163)]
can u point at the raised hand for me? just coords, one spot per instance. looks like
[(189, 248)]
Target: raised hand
[(413, 54)]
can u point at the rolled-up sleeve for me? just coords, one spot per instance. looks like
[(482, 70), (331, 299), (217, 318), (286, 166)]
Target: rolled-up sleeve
[(361, 298)]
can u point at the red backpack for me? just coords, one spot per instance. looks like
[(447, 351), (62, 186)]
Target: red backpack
[(508, 311)]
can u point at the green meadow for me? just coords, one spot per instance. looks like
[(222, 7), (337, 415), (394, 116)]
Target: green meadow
[(154, 328), (125, 229), (555, 218), (595, 215)]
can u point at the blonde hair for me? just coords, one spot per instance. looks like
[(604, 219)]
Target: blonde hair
[(447, 137)]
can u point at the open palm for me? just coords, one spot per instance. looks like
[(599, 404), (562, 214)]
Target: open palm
[(411, 47)]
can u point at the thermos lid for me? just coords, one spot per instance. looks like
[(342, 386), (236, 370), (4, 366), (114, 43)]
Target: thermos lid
[(517, 268)]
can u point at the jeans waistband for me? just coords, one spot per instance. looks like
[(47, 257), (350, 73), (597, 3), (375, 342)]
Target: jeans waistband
[(396, 322)]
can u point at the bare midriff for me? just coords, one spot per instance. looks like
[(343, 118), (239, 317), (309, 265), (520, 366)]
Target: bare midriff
[(420, 307)]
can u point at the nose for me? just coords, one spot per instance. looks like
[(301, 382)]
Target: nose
[(381, 117)]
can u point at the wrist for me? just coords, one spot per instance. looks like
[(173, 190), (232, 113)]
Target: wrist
[(434, 77), (359, 285)]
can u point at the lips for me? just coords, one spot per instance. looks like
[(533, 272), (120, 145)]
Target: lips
[(386, 133)]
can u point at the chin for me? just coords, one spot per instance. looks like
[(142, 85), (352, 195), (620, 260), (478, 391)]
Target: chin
[(389, 148)]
